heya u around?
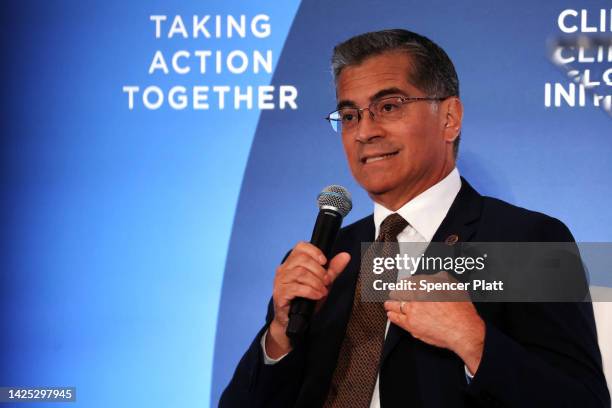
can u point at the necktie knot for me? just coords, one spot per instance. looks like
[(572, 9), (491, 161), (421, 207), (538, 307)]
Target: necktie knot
[(391, 227)]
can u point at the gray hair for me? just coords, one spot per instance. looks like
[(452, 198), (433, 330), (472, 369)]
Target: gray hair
[(433, 71)]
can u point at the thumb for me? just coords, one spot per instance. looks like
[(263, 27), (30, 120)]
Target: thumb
[(337, 265)]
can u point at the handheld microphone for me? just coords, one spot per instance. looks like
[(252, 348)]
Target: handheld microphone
[(334, 204)]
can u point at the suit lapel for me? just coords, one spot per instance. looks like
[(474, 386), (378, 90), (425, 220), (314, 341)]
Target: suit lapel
[(461, 221)]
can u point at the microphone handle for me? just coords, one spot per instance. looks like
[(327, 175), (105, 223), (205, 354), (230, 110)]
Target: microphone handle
[(323, 237)]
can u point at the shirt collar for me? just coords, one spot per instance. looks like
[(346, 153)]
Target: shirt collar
[(426, 211)]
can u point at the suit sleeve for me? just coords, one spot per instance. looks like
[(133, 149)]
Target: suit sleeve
[(552, 358), (256, 384)]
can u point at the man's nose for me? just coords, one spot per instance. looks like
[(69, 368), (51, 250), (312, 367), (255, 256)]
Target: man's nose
[(368, 128)]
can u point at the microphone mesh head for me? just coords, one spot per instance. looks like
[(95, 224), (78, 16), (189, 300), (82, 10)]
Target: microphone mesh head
[(337, 197)]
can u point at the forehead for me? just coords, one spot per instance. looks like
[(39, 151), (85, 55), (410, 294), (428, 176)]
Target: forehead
[(387, 70)]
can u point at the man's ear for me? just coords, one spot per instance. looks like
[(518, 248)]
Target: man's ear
[(453, 110)]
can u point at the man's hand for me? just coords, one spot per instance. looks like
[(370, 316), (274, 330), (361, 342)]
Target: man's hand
[(452, 325), (301, 275)]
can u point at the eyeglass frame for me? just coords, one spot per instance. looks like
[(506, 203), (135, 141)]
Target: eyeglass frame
[(403, 100)]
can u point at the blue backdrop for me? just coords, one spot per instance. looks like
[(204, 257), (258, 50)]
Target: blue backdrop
[(139, 245)]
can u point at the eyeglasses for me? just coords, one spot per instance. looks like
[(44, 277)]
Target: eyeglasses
[(382, 110)]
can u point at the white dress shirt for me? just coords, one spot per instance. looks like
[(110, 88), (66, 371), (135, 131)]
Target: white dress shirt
[(424, 214)]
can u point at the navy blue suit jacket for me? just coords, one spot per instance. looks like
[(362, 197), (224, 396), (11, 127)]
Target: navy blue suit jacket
[(535, 354)]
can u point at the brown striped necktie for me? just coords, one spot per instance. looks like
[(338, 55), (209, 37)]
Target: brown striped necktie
[(355, 375)]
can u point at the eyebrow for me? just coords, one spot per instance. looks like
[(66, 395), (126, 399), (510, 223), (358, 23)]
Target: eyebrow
[(386, 92), (347, 103)]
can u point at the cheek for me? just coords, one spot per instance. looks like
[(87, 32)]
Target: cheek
[(351, 155), (350, 149), (347, 150), (419, 138)]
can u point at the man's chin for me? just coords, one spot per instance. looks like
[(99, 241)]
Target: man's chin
[(377, 183), (377, 190)]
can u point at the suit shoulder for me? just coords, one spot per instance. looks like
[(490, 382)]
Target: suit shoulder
[(359, 230), (363, 223), (524, 224)]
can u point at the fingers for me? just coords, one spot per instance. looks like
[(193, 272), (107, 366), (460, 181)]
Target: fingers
[(397, 319), (284, 293), (299, 282), (405, 295), (307, 256), (303, 274), (314, 275), (397, 307), (307, 278), (306, 264), (311, 250), (397, 312), (304, 291), (337, 265)]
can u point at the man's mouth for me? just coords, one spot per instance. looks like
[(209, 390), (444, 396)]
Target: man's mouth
[(378, 157)]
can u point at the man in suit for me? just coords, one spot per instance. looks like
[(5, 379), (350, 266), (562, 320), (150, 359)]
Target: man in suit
[(399, 115)]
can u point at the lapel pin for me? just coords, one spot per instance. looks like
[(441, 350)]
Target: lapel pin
[(451, 239)]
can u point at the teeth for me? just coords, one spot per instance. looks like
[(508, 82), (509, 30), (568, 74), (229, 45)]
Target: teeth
[(374, 159), (378, 158)]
